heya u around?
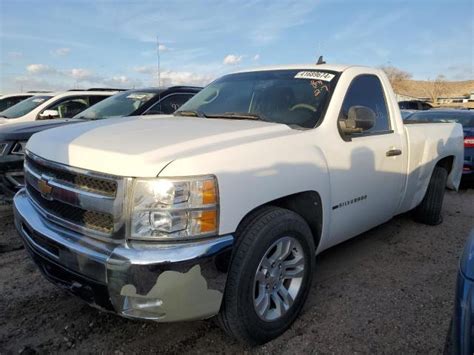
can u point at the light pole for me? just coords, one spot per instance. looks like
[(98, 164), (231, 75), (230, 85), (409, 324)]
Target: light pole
[(158, 53)]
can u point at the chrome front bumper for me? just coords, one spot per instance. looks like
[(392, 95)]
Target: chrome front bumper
[(157, 281)]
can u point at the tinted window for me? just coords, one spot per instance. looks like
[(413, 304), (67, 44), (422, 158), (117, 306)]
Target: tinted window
[(425, 106), (169, 104), (70, 107), (11, 101), (408, 105), (122, 104), (366, 90), (25, 106), (96, 98)]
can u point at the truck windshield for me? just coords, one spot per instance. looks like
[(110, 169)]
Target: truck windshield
[(25, 106), (297, 98), (123, 104)]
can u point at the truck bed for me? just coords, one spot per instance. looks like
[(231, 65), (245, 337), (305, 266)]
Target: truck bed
[(424, 151)]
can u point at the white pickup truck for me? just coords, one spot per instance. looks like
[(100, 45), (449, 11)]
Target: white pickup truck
[(221, 208)]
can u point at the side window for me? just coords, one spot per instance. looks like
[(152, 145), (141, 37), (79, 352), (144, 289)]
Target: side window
[(169, 104), (425, 106), (364, 99), (11, 101), (68, 108)]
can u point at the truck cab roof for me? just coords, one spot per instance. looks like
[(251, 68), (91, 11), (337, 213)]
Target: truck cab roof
[(330, 67)]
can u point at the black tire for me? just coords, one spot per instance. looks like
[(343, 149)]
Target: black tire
[(429, 210), (258, 233)]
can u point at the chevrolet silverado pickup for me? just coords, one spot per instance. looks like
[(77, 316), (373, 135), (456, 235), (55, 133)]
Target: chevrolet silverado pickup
[(221, 209)]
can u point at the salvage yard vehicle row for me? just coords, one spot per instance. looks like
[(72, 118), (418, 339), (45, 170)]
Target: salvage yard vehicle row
[(146, 101)]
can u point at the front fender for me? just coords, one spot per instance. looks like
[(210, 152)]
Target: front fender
[(259, 172)]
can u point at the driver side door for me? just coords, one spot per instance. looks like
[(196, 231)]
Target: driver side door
[(366, 179)]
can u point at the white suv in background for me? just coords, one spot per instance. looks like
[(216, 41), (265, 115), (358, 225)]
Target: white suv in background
[(53, 105)]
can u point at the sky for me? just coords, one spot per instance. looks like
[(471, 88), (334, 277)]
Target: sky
[(62, 44)]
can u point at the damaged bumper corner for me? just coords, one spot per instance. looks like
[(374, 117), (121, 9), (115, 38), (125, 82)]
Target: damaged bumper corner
[(161, 282)]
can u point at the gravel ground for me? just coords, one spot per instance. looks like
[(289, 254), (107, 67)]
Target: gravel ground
[(388, 291)]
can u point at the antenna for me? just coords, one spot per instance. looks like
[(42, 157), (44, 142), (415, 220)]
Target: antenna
[(158, 53), (320, 60)]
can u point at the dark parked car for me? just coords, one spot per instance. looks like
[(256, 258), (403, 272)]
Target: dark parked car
[(414, 105), (406, 113), (465, 118), (13, 138), (461, 334), (138, 102)]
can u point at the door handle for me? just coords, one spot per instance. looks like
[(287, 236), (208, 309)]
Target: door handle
[(393, 152)]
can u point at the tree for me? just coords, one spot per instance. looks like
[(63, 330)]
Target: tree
[(436, 88), (397, 77)]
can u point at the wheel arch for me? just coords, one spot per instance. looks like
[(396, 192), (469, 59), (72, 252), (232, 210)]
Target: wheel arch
[(307, 204), (446, 163), (449, 163)]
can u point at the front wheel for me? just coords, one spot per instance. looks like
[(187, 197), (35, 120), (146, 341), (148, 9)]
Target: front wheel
[(269, 277)]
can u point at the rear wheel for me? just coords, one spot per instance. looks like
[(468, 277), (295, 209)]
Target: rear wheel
[(269, 276), (429, 210)]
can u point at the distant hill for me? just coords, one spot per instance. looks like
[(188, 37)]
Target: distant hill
[(419, 88)]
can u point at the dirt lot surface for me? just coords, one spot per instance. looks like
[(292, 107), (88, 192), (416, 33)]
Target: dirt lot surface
[(388, 291)]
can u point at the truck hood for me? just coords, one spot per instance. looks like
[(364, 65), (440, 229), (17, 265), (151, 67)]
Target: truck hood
[(143, 146)]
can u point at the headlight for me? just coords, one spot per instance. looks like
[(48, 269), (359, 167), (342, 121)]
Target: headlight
[(19, 148), (174, 209)]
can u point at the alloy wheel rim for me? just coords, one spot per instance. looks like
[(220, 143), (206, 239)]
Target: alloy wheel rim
[(278, 278)]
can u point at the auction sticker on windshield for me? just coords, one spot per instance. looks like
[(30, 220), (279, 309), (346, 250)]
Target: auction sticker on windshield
[(140, 96), (312, 75)]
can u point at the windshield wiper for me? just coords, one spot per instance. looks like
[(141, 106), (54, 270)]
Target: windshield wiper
[(84, 118), (237, 116), (190, 113)]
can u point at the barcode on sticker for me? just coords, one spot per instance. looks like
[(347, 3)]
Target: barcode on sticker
[(314, 75)]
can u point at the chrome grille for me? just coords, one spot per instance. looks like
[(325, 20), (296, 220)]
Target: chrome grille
[(84, 182), (101, 222), (87, 202)]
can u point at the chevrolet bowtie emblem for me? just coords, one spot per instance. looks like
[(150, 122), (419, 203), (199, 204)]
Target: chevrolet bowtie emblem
[(45, 188)]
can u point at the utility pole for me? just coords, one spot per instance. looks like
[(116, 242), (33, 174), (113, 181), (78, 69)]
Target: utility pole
[(158, 53)]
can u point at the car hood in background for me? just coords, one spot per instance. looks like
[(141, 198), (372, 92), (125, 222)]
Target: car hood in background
[(23, 131), (143, 146)]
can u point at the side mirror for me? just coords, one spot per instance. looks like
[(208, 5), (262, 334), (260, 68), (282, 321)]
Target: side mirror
[(359, 119), (48, 114)]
